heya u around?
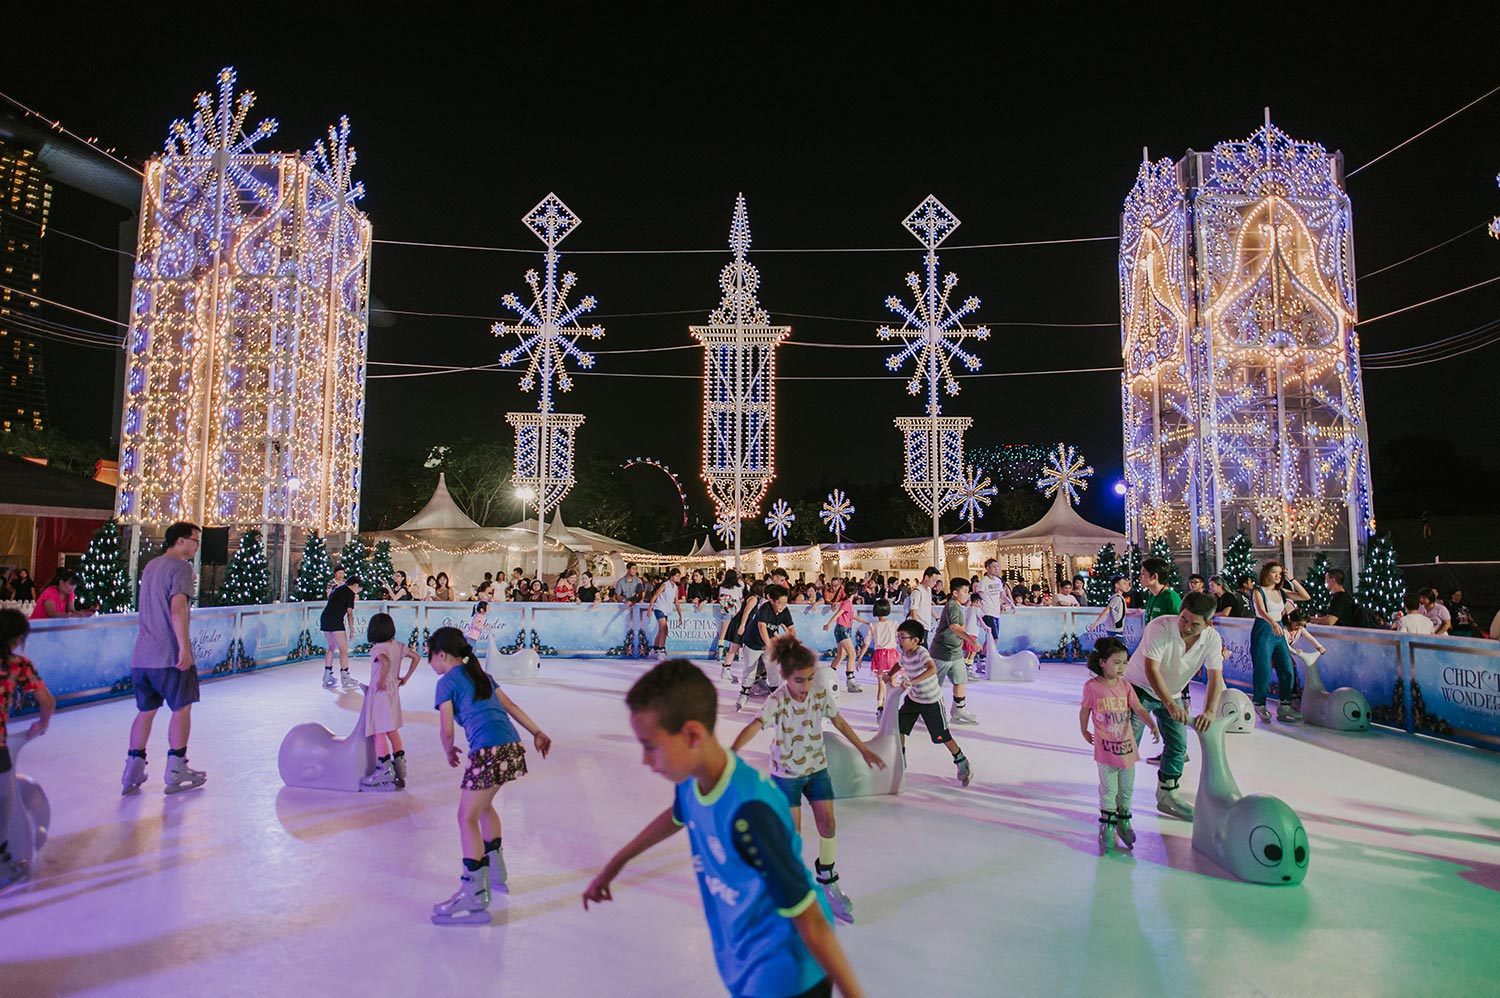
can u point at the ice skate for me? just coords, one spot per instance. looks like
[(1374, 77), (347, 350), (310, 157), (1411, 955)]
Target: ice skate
[(348, 682), (961, 715), (1106, 833), (741, 701), (328, 681), (398, 763), (724, 675), (965, 772), (843, 908), (1124, 829), (469, 905), (498, 873), (179, 777), (134, 776), (1171, 803), (1263, 712), (851, 686), (383, 779), (878, 712)]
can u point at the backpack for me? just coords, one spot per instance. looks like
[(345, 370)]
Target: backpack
[(1363, 617)]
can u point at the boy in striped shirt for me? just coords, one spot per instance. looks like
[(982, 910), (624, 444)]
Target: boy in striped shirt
[(924, 697)]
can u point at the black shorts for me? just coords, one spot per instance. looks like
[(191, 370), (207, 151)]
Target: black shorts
[(172, 686), (931, 715)]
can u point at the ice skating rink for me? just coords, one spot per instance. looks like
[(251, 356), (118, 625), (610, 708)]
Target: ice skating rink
[(249, 888)]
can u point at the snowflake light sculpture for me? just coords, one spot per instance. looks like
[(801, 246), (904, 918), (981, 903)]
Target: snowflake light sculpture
[(548, 328), (780, 520), (727, 526), (1242, 397), (933, 332), (836, 513), (739, 385), (974, 495), (245, 358), (932, 329), (1065, 471)]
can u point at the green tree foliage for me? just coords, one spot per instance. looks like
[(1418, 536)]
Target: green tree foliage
[(1101, 578), (314, 572), (248, 579), (1160, 549), (1313, 582), (355, 561), (1381, 586), (1237, 560), (382, 573), (104, 581), (80, 457)]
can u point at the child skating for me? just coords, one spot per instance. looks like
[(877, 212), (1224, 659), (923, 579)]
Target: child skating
[(1110, 701), (799, 763), (842, 622), (734, 631), (17, 675), (467, 693), (771, 932), (948, 647), (770, 619), (383, 702), (885, 658), (478, 622), (924, 698)]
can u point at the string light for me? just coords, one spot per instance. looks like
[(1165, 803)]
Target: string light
[(1242, 396), (245, 353), (676, 482)]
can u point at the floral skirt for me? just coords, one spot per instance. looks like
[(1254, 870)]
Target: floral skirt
[(494, 766)]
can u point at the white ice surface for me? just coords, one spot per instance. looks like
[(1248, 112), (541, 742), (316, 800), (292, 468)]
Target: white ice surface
[(249, 888)]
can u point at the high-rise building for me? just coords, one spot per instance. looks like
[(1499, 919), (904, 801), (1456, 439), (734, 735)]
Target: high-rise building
[(1242, 397), (25, 200)]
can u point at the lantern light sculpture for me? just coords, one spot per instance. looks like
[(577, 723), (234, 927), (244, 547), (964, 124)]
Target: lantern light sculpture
[(548, 330), (245, 357), (739, 387), (1242, 396), (933, 333)]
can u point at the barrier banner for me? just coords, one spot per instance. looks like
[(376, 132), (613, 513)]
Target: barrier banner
[(592, 630), (1455, 689)]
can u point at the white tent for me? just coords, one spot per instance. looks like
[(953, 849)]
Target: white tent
[(1059, 536)]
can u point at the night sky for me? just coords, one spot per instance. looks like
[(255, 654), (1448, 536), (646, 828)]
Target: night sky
[(835, 127)]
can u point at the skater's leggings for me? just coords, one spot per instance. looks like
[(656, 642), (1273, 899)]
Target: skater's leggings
[(4, 767), (1116, 786), (1268, 651)]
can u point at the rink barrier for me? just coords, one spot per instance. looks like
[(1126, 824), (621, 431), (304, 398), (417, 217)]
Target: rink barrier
[(1440, 686)]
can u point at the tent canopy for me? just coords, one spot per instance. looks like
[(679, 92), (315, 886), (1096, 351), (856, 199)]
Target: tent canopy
[(1062, 529)]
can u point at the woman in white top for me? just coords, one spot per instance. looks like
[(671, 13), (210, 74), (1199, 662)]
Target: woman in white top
[(1268, 647), (731, 595)]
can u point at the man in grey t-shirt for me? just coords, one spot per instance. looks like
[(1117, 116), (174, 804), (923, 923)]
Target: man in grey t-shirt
[(162, 667), (628, 586)]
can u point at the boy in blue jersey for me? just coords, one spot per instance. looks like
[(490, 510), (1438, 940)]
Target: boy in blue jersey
[(772, 933)]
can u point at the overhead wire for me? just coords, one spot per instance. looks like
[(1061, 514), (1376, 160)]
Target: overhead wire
[(1423, 132)]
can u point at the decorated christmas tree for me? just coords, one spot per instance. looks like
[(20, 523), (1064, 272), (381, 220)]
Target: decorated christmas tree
[(1237, 560), (314, 572), (247, 581), (1132, 568), (1160, 549), (355, 561), (381, 573), (1313, 583), (1381, 586), (1102, 576), (103, 581)]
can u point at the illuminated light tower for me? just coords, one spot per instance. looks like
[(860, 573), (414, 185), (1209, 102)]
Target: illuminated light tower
[(739, 388), (1242, 396), (549, 332), (933, 333), (245, 357)]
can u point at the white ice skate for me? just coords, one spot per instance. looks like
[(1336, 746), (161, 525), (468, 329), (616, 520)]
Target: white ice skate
[(1171, 803), (382, 779), (329, 683), (1123, 827), (348, 682), (469, 905), (961, 715), (838, 901), (134, 776), (498, 872), (179, 777)]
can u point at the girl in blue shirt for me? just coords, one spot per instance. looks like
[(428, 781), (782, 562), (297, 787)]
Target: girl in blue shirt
[(469, 694)]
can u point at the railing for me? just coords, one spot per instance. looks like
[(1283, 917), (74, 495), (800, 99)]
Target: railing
[(1441, 686)]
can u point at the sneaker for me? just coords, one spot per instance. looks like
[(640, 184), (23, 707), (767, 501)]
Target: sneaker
[(1171, 803), (328, 681), (1287, 714), (850, 686), (740, 701), (961, 715), (180, 777), (1263, 712), (134, 776), (965, 773)]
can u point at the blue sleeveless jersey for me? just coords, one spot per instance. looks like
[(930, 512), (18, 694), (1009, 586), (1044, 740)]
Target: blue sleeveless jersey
[(748, 858)]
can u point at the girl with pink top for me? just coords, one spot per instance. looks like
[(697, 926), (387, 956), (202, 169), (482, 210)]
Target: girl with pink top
[(1110, 701), (842, 622)]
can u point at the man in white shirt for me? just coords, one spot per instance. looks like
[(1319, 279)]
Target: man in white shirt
[(919, 607), (1414, 621), (1065, 596), (1172, 650)]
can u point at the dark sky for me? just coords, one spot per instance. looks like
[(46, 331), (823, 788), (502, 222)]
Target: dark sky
[(834, 127)]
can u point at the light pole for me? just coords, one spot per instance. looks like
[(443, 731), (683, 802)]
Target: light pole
[(528, 494)]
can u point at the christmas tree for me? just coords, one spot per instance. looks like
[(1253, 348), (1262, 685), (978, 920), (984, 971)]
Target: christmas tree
[(1132, 569), (314, 572), (1102, 576), (355, 561), (1160, 549), (103, 581), (1237, 560), (1315, 587), (382, 574), (247, 582), (1381, 586)]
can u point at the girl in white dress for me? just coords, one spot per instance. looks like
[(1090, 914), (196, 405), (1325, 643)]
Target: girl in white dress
[(383, 701)]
